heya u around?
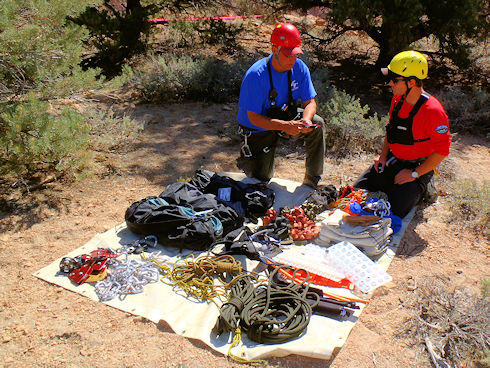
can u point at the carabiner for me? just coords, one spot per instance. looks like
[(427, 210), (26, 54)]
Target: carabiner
[(245, 148)]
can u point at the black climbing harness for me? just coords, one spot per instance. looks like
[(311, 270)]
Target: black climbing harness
[(399, 130)]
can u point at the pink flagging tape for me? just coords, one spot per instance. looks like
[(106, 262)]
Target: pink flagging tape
[(162, 20)]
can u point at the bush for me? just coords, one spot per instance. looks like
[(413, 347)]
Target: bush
[(470, 206), (348, 126), (456, 321), (469, 112), (217, 32), (32, 139), (115, 34), (177, 78), (108, 131)]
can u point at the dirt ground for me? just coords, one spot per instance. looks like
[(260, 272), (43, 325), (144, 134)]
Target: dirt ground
[(42, 325)]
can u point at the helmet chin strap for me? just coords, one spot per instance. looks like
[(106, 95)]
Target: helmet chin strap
[(277, 54), (408, 89)]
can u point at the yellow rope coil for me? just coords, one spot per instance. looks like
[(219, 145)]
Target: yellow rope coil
[(196, 276)]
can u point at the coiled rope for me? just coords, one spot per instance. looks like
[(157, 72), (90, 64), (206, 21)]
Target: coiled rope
[(276, 314), (196, 276)]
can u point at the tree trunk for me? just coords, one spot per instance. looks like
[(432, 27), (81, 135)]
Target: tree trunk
[(133, 4)]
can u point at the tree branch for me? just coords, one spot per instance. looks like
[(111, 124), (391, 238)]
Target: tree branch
[(112, 9), (328, 40)]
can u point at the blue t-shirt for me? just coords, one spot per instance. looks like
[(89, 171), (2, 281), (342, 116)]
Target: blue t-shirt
[(254, 92)]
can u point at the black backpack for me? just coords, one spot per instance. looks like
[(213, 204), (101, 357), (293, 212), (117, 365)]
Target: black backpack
[(253, 199), (182, 217)]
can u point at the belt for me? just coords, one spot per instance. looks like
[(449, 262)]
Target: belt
[(242, 129)]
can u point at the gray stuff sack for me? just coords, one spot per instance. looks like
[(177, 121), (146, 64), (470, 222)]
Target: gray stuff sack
[(372, 240)]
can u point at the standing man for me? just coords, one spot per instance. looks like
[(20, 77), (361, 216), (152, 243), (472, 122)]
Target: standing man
[(277, 99), (417, 137)]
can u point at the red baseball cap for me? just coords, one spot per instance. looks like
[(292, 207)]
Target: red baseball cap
[(288, 51)]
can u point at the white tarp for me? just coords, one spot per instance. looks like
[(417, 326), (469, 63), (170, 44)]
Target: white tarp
[(195, 319)]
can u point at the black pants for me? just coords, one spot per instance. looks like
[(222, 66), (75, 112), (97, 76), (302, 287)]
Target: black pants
[(263, 148), (402, 197)]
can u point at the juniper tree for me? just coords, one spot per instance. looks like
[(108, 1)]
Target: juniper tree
[(394, 25), (40, 52)]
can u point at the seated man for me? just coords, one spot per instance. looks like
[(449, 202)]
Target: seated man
[(417, 137), (268, 109)]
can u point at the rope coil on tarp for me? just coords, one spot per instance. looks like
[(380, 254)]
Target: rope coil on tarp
[(276, 314), (267, 313), (196, 275)]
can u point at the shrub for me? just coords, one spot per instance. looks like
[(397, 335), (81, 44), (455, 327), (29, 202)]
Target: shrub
[(115, 34), (32, 139), (108, 131), (217, 32), (321, 80), (470, 205), (348, 126), (456, 321), (177, 78), (468, 111), (178, 34)]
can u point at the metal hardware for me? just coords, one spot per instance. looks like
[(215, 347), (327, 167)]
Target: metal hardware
[(245, 147)]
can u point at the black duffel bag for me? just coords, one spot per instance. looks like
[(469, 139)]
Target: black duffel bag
[(182, 226), (153, 215)]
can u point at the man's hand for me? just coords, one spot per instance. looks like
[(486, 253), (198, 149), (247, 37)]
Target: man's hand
[(295, 127), (379, 164), (404, 176)]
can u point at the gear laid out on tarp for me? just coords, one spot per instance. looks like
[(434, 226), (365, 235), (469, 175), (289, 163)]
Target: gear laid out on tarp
[(153, 279), (372, 239), (249, 200), (87, 267), (193, 216)]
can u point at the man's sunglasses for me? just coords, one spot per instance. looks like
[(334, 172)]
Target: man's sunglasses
[(396, 80), (392, 77)]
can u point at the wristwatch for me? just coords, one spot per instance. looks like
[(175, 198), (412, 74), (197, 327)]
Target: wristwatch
[(415, 174)]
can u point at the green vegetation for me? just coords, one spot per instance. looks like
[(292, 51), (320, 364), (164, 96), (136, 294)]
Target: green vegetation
[(39, 56), (40, 62), (32, 139), (470, 206), (170, 78), (40, 51), (349, 127), (48, 49), (395, 25), (108, 131), (468, 111)]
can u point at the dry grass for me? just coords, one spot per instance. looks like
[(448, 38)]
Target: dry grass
[(454, 320)]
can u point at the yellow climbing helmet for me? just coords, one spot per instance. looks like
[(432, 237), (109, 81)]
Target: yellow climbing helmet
[(409, 64)]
